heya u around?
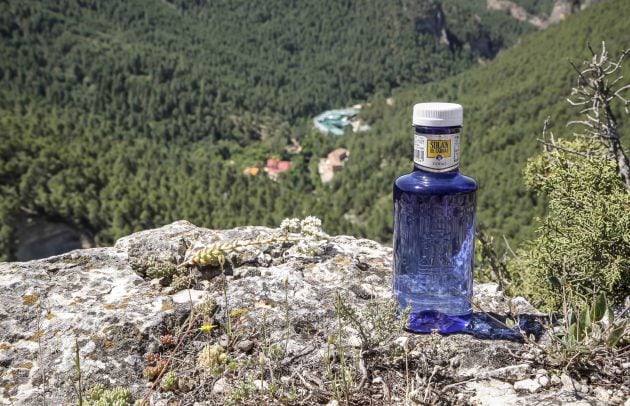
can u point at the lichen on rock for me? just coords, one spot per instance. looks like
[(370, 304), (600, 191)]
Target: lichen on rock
[(277, 332)]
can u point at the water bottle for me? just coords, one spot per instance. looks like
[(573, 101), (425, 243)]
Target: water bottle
[(434, 226)]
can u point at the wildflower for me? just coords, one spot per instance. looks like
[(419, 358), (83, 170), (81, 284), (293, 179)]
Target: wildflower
[(290, 225), (207, 327)]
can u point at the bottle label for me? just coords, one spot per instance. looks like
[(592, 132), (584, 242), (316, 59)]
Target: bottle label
[(436, 152)]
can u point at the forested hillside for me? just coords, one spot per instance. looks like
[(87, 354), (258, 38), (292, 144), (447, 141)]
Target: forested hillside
[(119, 116), (505, 105)]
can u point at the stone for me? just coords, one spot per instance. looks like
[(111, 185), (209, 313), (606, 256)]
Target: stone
[(527, 385), (260, 385), (555, 380), (5, 359), (401, 342), (220, 386), (543, 381), (245, 346), (492, 392), (601, 394), (288, 302), (570, 384)]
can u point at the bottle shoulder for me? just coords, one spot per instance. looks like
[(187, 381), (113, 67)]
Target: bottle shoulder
[(423, 182)]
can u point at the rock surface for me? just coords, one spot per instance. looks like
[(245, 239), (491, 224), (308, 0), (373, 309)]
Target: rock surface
[(281, 303)]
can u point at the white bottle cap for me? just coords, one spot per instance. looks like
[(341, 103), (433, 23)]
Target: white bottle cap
[(438, 114)]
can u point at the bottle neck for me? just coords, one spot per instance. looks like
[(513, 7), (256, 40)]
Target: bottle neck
[(436, 149)]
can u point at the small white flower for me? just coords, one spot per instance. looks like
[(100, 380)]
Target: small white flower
[(290, 225)]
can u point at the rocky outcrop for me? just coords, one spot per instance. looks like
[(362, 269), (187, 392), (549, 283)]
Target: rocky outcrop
[(561, 10), (516, 12), (278, 324), (564, 8)]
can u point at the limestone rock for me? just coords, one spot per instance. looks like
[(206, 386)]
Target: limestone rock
[(281, 299), (527, 385)]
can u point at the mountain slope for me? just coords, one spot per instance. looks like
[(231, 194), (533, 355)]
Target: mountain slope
[(117, 116), (505, 104)]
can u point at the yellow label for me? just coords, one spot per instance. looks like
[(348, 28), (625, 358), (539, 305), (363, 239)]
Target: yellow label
[(439, 147)]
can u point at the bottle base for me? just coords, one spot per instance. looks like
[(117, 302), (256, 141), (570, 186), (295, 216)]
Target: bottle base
[(430, 320)]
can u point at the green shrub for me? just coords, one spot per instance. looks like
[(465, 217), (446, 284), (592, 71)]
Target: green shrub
[(583, 245)]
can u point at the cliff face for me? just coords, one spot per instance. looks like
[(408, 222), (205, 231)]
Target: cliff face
[(284, 324), (561, 10)]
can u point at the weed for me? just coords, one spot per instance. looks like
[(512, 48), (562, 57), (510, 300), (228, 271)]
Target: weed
[(98, 395), (169, 382), (586, 334), (213, 358)]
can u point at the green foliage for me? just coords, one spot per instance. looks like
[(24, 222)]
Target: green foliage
[(213, 358), (583, 245), (121, 116), (169, 381), (505, 103), (586, 332), (98, 395), (154, 268)]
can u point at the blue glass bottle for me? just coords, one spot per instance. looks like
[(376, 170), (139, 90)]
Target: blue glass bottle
[(434, 226)]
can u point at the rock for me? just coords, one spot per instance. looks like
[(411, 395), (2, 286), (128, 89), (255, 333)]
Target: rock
[(570, 384), (118, 316), (555, 380), (5, 359), (492, 392), (601, 394), (260, 385), (401, 342), (543, 381), (527, 385), (220, 386), (245, 346)]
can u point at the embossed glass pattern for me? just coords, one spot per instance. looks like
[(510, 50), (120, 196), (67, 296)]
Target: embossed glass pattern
[(434, 234)]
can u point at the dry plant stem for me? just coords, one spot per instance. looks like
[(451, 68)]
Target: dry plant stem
[(427, 390), (40, 356), (191, 322), (596, 93), (496, 265), (406, 375), (77, 366)]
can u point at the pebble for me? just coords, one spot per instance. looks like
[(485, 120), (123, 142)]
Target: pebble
[(402, 342), (224, 340), (601, 394), (220, 386), (543, 381), (555, 380), (455, 362), (245, 346), (5, 359), (378, 379), (627, 402), (260, 385), (332, 403), (527, 385), (569, 383)]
